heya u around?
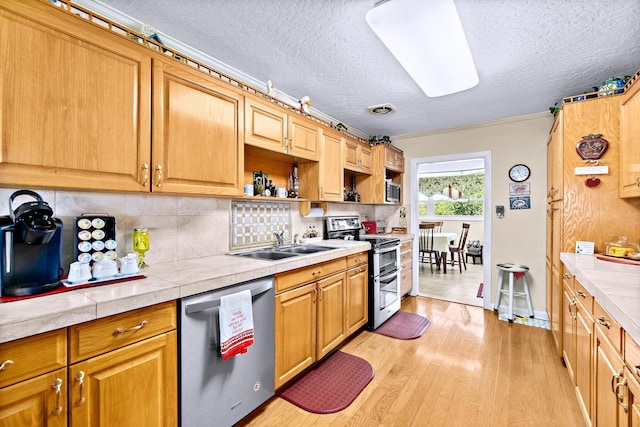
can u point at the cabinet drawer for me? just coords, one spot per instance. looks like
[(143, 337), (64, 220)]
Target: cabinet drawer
[(610, 328), (301, 276), (582, 295), (632, 355), (405, 257), (102, 335), (406, 280), (357, 259), (32, 356), (406, 246)]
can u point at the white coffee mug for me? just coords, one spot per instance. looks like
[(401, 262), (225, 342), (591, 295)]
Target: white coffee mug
[(248, 189), (281, 192), (79, 272)]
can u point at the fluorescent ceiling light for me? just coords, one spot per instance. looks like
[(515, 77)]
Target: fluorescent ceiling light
[(426, 37)]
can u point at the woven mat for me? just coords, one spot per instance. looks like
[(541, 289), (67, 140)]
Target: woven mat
[(331, 386), (404, 326)]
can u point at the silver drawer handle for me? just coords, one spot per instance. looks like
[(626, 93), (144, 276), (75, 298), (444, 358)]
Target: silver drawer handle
[(57, 386), (603, 322), (637, 370), (6, 364), (141, 325), (581, 294), (80, 378)]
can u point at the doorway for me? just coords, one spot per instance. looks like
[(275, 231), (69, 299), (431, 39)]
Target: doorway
[(452, 285)]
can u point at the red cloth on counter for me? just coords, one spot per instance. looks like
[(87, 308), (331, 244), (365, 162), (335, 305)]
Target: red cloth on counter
[(236, 324)]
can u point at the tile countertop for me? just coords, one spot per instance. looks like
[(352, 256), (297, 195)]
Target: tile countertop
[(615, 286), (165, 282)]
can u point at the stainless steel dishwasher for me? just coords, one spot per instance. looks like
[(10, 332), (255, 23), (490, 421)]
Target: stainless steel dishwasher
[(216, 392)]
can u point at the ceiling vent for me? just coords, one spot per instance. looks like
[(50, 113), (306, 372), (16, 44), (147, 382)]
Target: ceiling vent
[(382, 109)]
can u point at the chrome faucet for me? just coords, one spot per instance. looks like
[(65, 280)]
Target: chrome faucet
[(280, 236)]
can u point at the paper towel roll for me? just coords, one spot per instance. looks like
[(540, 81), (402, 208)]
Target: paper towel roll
[(315, 213)]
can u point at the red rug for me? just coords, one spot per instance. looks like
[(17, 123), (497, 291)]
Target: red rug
[(331, 386), (404, 326)]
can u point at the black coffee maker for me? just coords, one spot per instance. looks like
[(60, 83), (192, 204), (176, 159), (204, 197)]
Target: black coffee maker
[(31, 244)]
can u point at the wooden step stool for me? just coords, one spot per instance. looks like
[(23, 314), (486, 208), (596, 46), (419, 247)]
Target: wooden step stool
[(515, 272)]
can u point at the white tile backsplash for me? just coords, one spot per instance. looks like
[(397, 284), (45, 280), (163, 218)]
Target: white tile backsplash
[(185, 227)]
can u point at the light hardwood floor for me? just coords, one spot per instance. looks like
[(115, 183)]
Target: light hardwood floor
[(468, 369), (451, 286)]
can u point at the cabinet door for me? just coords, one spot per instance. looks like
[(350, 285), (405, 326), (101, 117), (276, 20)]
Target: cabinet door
[(331, 176), (584, 351), (295, 331), (265, 126), (357, 298), (351, 160), (608, 378), (633, 399), (366, 159), (629, 184), (406, 280), (569, 332), (38, 402), (332, 322), (555, 160), (133, 386), (75, 110), (197, 134), (303, 138)]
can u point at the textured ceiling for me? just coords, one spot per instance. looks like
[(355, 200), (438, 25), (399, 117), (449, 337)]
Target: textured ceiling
[(529, 54)]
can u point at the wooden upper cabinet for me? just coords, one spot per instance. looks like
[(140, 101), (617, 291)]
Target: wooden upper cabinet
[(555, 160), (394, 159), (197, 133), (264, 125), (629, 184), (75, 109), (272, 128), (303, 138), (358, 157), (331, 176)]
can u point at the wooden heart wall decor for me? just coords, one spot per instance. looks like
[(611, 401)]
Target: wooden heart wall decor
[(592, 147)]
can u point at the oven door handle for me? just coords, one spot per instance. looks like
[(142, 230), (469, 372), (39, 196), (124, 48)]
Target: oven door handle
[(385, 250), (391, 276)]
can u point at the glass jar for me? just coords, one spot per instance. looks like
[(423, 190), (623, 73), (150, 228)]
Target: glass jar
[(622, 248)]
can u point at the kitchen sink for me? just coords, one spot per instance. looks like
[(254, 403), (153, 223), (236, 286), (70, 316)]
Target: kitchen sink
[(268, 255), (282, 252), (308, 249)]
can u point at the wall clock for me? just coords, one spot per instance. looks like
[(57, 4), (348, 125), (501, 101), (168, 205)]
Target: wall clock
[(519, 173)]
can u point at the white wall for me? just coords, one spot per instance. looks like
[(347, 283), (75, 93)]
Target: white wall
[(520, 236)]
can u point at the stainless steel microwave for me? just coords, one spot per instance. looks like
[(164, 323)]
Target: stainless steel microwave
[(392, 194)]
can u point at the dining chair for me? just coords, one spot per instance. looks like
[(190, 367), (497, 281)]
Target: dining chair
[(437, 225), (426, 244), (459, 248)]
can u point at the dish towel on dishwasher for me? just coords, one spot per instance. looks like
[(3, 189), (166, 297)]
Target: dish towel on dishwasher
[(236, 324)]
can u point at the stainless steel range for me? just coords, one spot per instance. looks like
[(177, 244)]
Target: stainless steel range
[(384, 266)]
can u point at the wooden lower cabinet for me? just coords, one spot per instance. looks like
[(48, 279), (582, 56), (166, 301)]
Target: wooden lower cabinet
[(357, 298), (37, 402), (133, 386), (608, 377), (406, 273), (584, 351), (295, 331), (33, 380), (106, 372), (332, 320), (317, 315), (569, 330)]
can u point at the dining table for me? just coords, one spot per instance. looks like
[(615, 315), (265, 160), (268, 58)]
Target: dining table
[(441, 243)]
